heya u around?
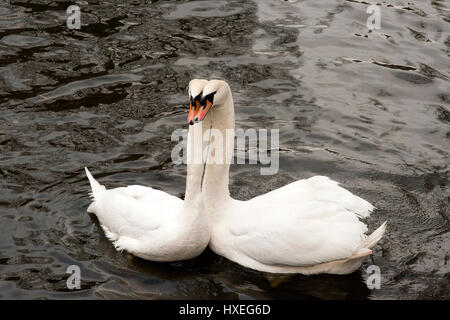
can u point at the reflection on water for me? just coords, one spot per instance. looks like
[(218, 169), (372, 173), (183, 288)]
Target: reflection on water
[(367, 108)]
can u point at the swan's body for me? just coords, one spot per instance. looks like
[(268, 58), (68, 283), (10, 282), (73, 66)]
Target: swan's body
[(309, 226), (152, 224)]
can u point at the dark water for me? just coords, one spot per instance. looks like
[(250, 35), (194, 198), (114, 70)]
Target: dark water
[(369, 109)]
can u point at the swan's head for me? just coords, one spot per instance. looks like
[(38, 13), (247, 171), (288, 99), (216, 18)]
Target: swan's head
[(195, 95), (214, 93)]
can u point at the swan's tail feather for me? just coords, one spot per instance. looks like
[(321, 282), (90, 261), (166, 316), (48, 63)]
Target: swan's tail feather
[(96, 187), (374, 237)]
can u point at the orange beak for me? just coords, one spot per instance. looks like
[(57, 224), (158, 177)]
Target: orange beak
[(198, 112), (194, 106)]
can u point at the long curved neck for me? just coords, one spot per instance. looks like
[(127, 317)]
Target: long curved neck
[(195, 162), (215, 183)]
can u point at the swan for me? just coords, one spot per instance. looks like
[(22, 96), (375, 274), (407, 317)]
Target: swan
[(310, 226), (150, 223)]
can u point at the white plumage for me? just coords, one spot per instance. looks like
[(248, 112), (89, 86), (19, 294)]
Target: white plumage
[(150, 223), (295, 229), (309, 226)]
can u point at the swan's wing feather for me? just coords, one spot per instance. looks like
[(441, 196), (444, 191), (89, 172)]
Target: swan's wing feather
[(148, 194), (304, 223), (318, 188), (281, 237), (135, 210)]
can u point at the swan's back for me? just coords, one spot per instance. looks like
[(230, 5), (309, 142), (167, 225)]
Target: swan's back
[(306, 223), (315, 190), (149, 223), (135, 208)]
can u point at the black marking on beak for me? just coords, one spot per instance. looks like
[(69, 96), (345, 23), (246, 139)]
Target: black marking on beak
[(208, 97), (198, 99)]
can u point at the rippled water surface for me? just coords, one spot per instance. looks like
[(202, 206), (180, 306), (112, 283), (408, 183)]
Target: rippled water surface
[(368, 109)]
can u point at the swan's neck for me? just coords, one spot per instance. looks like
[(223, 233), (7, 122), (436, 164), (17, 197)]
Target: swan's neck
[(196, 144), (215, 184)]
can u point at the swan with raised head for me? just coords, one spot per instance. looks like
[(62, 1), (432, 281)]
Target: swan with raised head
[(309, 226), (150, 223)]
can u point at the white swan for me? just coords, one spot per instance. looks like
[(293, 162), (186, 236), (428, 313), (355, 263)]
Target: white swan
[(152, 224), (309, 226)]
